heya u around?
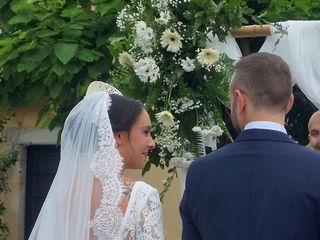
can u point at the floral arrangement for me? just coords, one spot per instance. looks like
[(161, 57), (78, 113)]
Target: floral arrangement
[(163, 57)]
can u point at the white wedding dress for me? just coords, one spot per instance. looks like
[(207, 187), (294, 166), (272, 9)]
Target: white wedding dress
[(143, 217), (84, 198)]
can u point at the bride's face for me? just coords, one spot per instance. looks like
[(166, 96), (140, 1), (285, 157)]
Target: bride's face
[(135, 145)]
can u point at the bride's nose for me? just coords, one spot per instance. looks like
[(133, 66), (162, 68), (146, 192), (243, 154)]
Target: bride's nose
[(151, 143)]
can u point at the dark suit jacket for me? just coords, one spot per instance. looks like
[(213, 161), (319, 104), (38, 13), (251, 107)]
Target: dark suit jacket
[(263, 186)]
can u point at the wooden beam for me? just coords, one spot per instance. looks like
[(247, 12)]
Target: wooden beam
[(251, 31)]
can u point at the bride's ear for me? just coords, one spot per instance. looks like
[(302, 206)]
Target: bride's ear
[(119, 137)]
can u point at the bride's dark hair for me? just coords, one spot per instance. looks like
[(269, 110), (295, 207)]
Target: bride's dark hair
[(123, 112)]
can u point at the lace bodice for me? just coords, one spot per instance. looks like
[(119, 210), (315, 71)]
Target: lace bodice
[(143, 217)]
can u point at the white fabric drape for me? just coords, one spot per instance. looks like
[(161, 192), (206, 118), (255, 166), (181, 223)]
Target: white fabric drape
[(300, 48), (228, 47)]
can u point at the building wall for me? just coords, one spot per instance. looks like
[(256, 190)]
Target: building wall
[(15, 199)]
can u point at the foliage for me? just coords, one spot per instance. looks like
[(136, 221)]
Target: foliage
[(7, 159), (50, 52), (164, 58), (281, 10)]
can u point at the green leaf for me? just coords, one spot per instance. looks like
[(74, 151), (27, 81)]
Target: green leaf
[(74, 68), (93, 71), (107, 8), (4, 103), (101, 40), (3, 2), (97, 68), (59, 68), (72, 34), (88, 55), (13, 55), (21, 18), (76, 26), (35, 93), (42, 53), (47, 33), (56, 88), (28, 46), (146, 168), (65, 51), (31, 61), (71, 12), (27, 64), (6, 45), (49, 79), (22, 6)]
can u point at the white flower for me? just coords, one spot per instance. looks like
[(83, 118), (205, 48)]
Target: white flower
[(216, 131), (188, 64), (144, 36), (140, 26), (180, 162), (146, 69), (165, 117), (208, 56), (164, 17), (171, 40), (196, 129), (188, 155), (159, 4), (123, 16), (126, 59)]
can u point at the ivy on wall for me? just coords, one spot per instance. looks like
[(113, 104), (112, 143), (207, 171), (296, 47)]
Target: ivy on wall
[(7, 160), (50, 52)]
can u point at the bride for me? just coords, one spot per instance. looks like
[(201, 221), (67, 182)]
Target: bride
[(89, 197)]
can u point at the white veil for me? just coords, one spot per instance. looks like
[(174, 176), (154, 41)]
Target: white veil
[(89, 161)]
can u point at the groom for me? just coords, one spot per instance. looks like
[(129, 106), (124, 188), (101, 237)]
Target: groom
[(263, 186)]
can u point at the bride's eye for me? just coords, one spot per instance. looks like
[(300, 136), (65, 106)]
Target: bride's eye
[(147, 131)]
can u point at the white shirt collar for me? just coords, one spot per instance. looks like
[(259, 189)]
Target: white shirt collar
[(265, 125)]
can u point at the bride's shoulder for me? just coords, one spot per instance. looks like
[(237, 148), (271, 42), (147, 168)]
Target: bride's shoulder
[(131, 185), (146, 188), (145, 185)]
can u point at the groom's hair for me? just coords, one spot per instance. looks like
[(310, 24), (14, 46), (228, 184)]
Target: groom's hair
[(265, 78)]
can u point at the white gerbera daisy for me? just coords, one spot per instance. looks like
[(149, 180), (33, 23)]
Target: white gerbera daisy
[(166, 118), (164, 17), (208, 56), (125, 59), (171, 40)]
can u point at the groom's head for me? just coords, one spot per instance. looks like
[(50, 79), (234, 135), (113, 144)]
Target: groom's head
[(260, 89)]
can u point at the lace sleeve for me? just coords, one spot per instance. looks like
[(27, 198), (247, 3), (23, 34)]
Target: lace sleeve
[(143, 217), (150, 220)]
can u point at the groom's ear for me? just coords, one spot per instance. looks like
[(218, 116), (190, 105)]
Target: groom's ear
[(241, 100), (289, 104)]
